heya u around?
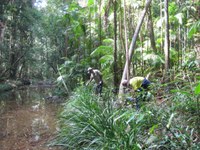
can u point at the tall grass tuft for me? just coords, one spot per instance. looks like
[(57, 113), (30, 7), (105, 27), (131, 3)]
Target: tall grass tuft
[(90, 122)]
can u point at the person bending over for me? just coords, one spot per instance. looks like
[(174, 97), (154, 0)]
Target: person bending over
[(96, 75), (136, 84)]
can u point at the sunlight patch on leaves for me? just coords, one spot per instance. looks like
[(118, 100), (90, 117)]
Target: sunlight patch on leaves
[(179, 16), (153, 57), (90, 2), (197, 89), (101, 50), (160, 22), (60, 78)]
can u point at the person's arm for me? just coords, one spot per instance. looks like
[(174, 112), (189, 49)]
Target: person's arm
[(91, 78), (100, 75)]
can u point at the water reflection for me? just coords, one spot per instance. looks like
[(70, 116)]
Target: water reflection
[(26, 120)]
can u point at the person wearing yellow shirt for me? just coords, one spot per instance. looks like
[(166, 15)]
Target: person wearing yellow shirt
[(137, 84)]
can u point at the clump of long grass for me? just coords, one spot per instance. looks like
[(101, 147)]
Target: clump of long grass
[(91, 122)]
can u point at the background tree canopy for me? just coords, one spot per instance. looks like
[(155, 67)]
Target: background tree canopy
[(38, 39)]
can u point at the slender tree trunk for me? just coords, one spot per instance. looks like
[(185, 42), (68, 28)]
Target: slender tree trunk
[(100, 26), (106, 15), (115, 46), (121, 36), (142, 52), (2, 29), (131, 48), (90, 41), (12, 54), (126, 42), (151, 31), (166, 47), (161, 43), (179, 45)]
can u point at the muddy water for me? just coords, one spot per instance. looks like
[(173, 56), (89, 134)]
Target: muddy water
[(27, 121)]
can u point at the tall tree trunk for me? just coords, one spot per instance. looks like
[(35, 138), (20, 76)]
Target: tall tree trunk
[(151, 31), (100, 26), (2, 29), (161, 29), (131, 48), (179, 45), (115, 46), (106, 15), (90, 41), (126, 41), (166, 47)]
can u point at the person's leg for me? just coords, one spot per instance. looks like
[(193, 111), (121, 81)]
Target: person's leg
[(99, 88)]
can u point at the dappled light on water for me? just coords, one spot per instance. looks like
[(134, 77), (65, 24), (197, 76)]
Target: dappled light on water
[(26, 120)]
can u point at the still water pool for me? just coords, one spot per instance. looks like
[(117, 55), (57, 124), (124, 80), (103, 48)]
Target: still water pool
[(27, 121)]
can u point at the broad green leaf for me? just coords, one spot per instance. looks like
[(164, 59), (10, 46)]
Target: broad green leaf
[(197, 89), (107, 59), (90, 3), (108, 42), (194, 29), (102, 50)]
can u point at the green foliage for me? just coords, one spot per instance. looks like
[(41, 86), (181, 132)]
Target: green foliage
[(5, 87), (197, 90), (190, 63), (101, 50), (194, 29), (91, 122), (153, 59), (104, 54), (71, 73)]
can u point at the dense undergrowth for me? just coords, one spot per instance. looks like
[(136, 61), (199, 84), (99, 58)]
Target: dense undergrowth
[(9, 85), (91, 122)]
